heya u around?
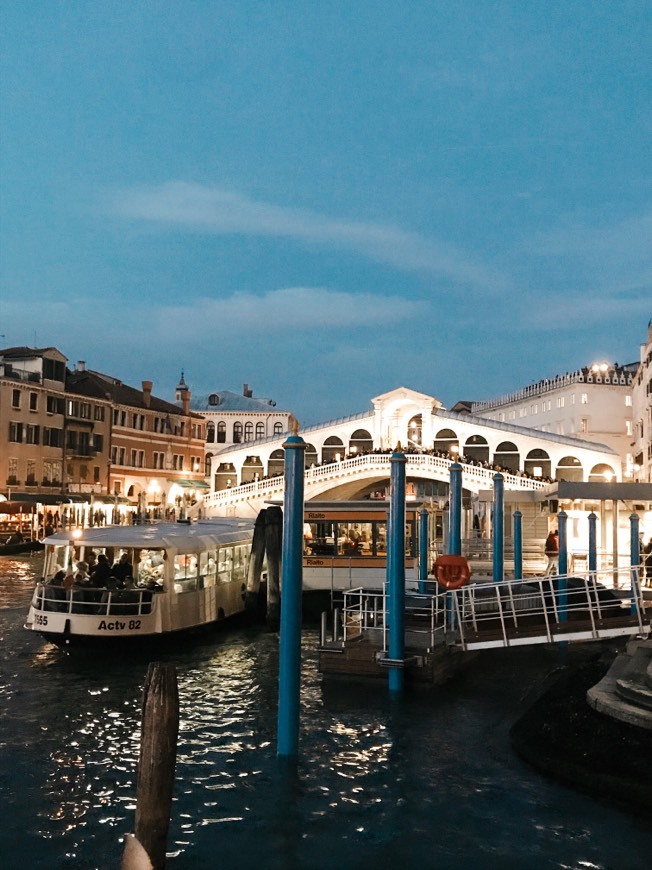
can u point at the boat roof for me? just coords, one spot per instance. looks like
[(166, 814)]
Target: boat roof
[(179, 536)]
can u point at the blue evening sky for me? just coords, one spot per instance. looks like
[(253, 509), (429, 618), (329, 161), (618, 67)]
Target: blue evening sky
[(327, 200)]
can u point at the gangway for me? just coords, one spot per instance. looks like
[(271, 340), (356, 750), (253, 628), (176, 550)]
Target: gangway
[(511, 613)]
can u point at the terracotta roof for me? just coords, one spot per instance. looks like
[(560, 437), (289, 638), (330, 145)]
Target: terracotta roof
[(99, 386)]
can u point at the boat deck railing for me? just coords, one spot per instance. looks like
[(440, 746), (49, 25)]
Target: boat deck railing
[(93, 602), (510, 613)]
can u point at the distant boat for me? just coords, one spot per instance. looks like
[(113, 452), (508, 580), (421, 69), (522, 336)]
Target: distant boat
[(18, 547), (176, 577)]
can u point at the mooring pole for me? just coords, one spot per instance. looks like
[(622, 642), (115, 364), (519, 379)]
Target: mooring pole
[(635, 550), (518, 545), (593, 547), (289, 684), (499, 528), (256, 562), (158, 755), (423, 550), (562, 586), (396, 570), (455, 510)]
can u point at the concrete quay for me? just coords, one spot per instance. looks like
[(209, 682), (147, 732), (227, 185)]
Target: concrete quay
[(625, 691)]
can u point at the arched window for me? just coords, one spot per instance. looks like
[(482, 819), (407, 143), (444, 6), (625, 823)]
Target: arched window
[(252, 469), (207, 465), (210, 432), (260, 430), (249, 431), (213, 399), (310, 456), (237, 433), (414, 430), (221, 432), (278, 428)]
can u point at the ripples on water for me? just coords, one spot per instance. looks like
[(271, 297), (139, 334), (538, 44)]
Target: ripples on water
[(429, 780)]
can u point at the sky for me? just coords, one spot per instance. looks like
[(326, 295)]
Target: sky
[(327, 200)]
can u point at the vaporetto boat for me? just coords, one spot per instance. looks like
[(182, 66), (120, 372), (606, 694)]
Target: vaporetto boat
[(182, 576)]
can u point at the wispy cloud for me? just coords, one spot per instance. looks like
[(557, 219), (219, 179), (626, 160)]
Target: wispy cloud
[(214, 210)]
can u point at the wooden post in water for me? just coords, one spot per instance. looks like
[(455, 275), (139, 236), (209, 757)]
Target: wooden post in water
[(273, 539), (158, 753), (256, 561)]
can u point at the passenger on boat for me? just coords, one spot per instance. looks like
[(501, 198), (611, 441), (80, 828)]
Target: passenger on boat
[(101, 573), (122, 569), (82, 577)]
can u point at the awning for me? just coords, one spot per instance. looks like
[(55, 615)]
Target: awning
[(190, 484), (17, 507), (48, 499)]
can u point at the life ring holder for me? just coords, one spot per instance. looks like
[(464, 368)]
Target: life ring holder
[(451, 572)]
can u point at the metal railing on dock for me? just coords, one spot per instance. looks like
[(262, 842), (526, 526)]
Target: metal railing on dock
[(511, 613)]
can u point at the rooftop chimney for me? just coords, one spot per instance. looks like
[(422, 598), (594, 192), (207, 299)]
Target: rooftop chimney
[(147, 393), (247, 392), (81, 365)]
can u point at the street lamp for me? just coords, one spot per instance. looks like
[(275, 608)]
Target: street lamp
[(75, 535)]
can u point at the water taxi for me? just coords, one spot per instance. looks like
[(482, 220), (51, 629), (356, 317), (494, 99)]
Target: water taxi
[(154, 580)]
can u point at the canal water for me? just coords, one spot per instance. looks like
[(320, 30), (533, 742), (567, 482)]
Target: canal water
[(429, 781)]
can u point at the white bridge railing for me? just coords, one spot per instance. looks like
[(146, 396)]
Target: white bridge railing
[(474, 477)]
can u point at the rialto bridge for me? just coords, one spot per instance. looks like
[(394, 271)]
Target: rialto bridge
[(348, 459)]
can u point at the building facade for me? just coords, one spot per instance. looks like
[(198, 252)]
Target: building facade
[(156, 457), (234, 419), (641, 466), (594, 403)]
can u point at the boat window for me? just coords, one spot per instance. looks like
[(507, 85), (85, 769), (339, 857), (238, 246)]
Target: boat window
[(224, 564), (151, 567), (239, 563), (208, 567), (348, 538)]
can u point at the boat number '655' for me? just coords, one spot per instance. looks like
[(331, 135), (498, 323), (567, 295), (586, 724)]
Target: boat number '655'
[(40, 620), (118, 625)]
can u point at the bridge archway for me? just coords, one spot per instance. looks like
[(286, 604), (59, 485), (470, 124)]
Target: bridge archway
[(602, 473), (310, 457), (225, 476), (537, 463), (444, 440), (276, 464), (507, 456), (361, 442), (476, 447), (332, 448), (252, 469), (414, 429), (569, 468)]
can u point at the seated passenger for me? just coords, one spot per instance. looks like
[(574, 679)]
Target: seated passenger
[(122, 569), (100, 575)]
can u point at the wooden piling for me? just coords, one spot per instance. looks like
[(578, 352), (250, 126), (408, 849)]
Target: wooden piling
[(256, 562), (158, 752), (273, 540)]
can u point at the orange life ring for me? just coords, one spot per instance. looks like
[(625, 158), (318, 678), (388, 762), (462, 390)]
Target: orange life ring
[(451, 572)]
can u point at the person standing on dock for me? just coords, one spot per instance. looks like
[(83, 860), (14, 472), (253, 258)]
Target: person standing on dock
[(552, 552)]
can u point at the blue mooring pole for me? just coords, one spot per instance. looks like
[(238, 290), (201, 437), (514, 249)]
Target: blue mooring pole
[(396, 570), (562, 593), (593, 543), (455, 510), (423, 550), (289, 683), (499, 528), (635, 550), (518, 545)]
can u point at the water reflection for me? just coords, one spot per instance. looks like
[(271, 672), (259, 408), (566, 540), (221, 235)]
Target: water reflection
[(430, 780)]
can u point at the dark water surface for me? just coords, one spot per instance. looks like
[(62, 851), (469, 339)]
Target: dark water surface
[(429, 781)]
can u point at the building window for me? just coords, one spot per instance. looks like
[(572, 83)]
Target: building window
[(73, 408), (85, 410), (260, 430), (30, 479), (12, 470), (628, 427), (33, 434), (213, 399), (584, 425), (560, 401), (237, 433), (249, 432), (221, 432), (99, 413), (207, 464), (15, 398), (278, 428), (33, 401), (54, 405), (16, 432), (585, 398), (210, 433), (628, 401), (96, 474)]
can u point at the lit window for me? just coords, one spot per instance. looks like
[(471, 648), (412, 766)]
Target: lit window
[(585, 398), (628, 401)]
